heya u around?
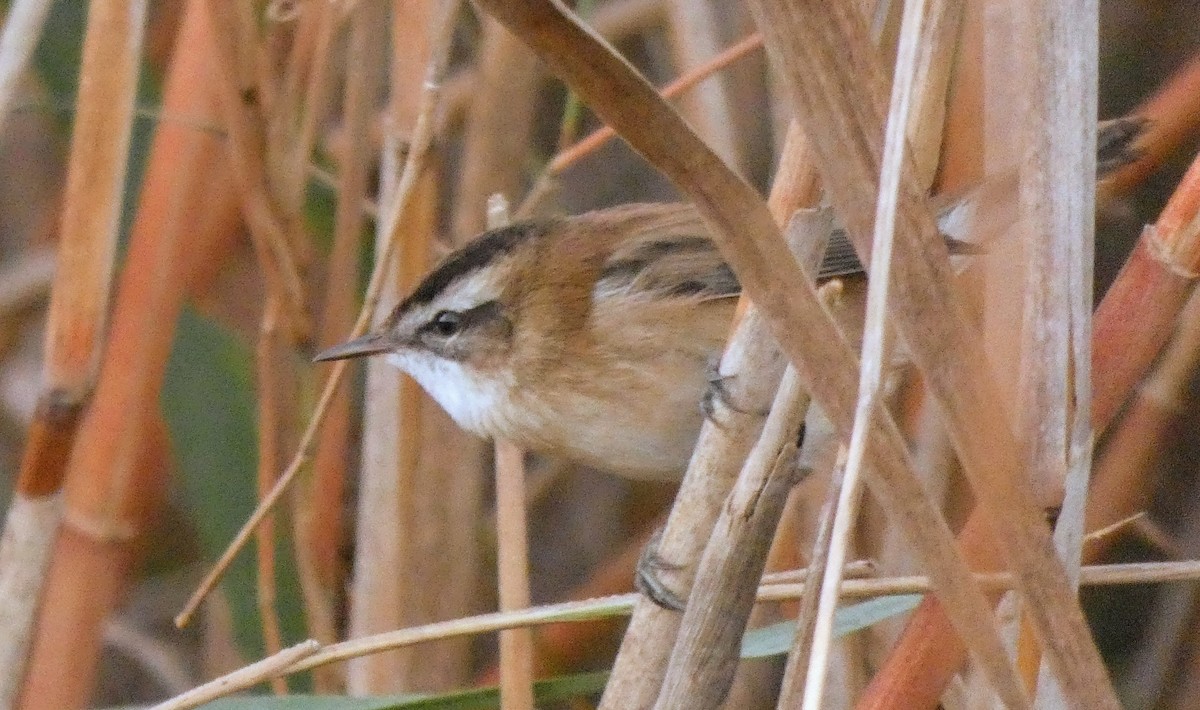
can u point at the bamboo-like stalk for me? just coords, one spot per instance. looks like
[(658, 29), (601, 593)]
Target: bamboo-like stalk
[(117, 472), (79, 299), (391, 405)]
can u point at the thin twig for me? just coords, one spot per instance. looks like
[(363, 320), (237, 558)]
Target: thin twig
[(243, 678), (309, 655), (265, 548), (417, 156), (685, 82), (791, 693)]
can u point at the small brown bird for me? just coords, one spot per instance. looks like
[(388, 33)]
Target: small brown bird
[(594, 337), (591, 337)]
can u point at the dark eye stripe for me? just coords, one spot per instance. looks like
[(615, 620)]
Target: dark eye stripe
[(483, 313)]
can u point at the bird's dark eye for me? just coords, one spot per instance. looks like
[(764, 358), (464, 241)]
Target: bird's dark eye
[(446, 323)]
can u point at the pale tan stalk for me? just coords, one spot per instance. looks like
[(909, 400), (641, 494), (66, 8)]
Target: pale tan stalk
[(499, 127), (516, 645), (692, 27), (318, 519), (755, 360), (391, 409), (421, 488), (512, 547), (395, 205), (1058, 197), (22, 29), (79, 298), (702, 664)]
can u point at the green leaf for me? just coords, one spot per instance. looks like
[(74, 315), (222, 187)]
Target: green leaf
[(208, 402), (777, 638)]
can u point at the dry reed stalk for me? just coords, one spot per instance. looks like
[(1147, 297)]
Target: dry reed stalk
[(1130, 326), (875, 350), (836, 84), (702, 664), (394, 207), (1058, 193), (88, 577), (692, 31), (391, 404), (245, 107), (791, 691), (752, 356), (320, 532), (304, 100), (115, 473), (499, 127), (79, 302), (516, 645), (267, 353), (748, 238), (22, 29), (271, 176), (416, 543), (512, 546), (960, 163), (933, 111), (1127, 467)]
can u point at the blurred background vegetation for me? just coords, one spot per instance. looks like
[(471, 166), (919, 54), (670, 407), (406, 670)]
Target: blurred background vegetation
[(201, 449)]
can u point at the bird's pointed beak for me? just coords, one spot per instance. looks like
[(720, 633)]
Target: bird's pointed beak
[(369, 344)]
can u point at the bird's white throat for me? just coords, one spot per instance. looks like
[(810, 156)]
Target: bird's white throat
[(473, 401)]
